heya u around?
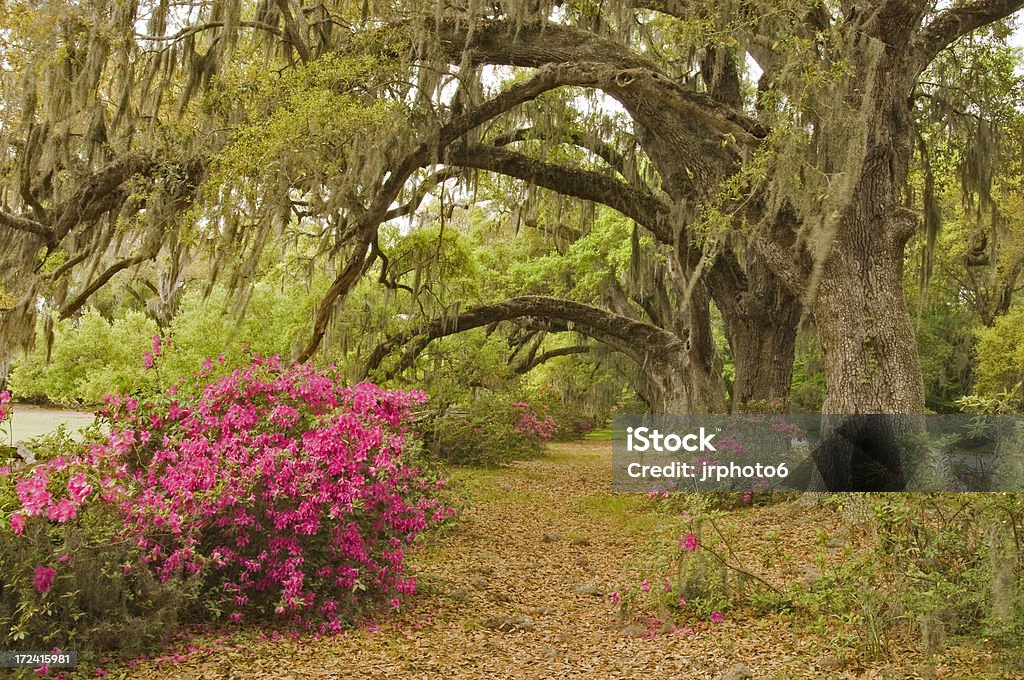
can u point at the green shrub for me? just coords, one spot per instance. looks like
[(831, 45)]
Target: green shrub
[(486, 432)]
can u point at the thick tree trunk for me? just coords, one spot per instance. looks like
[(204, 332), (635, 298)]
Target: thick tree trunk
[(860, 310), (867, 341), (762, 351)]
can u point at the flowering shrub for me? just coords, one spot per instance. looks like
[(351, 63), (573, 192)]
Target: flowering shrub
[(275, 491), (540, 426), (570, 419), (492, 430)]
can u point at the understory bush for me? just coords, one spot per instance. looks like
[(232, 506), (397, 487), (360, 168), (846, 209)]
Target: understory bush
[(494, 429), (267, 492)]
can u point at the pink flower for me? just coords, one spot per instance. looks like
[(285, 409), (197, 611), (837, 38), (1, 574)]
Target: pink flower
[(127, 568), (235, 617), (43, 578), (645, 586), (147, 360), (668, 586), (18, 523), (682, 602), (62, 511), (79, 488), (33, 494), (156, 345), (716, 617), (395, 603), (615, 597), (689, 542)]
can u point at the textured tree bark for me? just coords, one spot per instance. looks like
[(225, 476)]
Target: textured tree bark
[(859, 308), (762, 351)]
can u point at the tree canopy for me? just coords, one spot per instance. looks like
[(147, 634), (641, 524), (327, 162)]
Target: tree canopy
[(770, 163)]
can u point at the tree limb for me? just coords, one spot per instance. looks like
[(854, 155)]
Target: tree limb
[(535, 361), (954, 23), (69, 309), (646, 209), (606, 152), (638, 340), (27, 225), (594, 62)]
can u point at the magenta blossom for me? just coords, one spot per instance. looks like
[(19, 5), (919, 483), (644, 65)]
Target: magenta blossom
[(688, 542), (716, 617), (43, 578)]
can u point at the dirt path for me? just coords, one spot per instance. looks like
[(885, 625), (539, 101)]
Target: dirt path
[(519, 589)]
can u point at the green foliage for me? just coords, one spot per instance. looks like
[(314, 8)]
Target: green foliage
[(481, 432), (958, 562), (93, 356), (1000, 367)]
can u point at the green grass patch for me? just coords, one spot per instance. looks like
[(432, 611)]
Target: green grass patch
[(624, 510)]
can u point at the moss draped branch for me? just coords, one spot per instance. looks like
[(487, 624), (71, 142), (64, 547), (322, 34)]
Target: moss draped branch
[(638, 340)]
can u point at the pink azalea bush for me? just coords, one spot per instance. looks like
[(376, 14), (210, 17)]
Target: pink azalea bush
[(540, 426), (273, 491)]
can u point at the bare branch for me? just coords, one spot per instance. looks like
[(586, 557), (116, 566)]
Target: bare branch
[(72, 307)]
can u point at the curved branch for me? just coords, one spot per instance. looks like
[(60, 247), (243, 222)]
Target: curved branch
[(606, 152), (543, 357), (593, 62), (370, 219), (641, 341), (956, 22), (198, 28), (646, 209), (69, 309)]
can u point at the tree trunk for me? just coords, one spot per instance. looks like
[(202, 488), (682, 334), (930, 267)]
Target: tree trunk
[(860, 310), (867, 341), (762, 351)]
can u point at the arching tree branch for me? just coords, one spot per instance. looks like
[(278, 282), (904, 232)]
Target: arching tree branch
[(543, 357), (593, 62), (956, 22), (370, 219), (641, 341), (606, 152), (647, 209)]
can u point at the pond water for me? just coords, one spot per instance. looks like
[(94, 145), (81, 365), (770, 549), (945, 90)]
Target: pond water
[(31, 421)]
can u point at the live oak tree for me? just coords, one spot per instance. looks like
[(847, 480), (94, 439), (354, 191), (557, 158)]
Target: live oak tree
[(136, 131)]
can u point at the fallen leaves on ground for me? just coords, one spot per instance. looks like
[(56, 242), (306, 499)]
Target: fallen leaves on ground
[(518, 589)]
